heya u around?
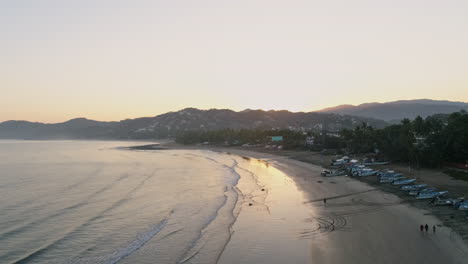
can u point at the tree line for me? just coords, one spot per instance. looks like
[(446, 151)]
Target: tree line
[(421, 142), (232, 137)]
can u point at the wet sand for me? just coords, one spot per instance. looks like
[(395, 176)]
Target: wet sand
[(449, 217), (359, 223)]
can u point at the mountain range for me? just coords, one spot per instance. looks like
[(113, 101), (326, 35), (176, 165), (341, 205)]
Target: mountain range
[(395, 111), (170, 124)]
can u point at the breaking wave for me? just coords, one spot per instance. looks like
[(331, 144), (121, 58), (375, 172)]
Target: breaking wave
[(181, 214), (127, 250)]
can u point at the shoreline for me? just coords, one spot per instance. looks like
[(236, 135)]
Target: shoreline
[(358, 203), (272, 212), (355, 204), (450, 217)]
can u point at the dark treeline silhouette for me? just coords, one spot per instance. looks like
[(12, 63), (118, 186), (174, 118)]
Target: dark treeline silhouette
[(232, 137), (430, 142), (292, 139), (421, 142)]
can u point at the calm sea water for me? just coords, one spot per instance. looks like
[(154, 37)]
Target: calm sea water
[(89, 202)]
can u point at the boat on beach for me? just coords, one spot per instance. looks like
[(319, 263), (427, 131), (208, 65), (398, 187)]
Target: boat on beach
[(447, 201), (403, 182), (430, 195), (361, 170), (461, 205), (391, 179), (366, 172), (339, 162), (385, 172), (333, 173), (375, 163), (412, 187), (416, 192)]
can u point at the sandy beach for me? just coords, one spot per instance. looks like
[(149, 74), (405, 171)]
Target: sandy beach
[(202, 205), (358, 224)]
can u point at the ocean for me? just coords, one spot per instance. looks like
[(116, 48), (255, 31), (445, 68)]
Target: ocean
[(96, 202)]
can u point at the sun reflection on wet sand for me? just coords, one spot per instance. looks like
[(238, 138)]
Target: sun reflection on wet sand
[(270, 230)]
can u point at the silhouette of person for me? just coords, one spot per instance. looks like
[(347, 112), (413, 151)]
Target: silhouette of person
[(325, 201), (421, 227), (426, 227), (433, 229)]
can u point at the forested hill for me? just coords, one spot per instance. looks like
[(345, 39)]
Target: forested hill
[(189, 119), (398, 110)]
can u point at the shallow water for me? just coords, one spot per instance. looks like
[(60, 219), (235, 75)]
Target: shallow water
[(272, 229), (90, 202)]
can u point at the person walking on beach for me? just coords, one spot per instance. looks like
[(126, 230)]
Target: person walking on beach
[(325, 201), (426, 227), (421, 227), (433, 229)]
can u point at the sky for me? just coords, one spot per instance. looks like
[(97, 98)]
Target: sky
[(111, 60)]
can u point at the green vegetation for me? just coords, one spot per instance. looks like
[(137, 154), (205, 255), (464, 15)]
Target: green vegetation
[(231, 137), (291, 139), (429, 142), (457, 174), (421, 142)]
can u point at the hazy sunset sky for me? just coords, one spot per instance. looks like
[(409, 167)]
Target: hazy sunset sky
[(111, 59)]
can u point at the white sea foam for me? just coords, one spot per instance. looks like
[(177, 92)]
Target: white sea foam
[(125, 251), (102, 218)]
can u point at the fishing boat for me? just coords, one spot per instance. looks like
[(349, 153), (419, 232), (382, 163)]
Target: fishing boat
[(448, 201), (339, 162), (391, 179), (461, 205), (412, 187), (332, 173), (416, 192), (375, 163), (430, 195), (403, 182)]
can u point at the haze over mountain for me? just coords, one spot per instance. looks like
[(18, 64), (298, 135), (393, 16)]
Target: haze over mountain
[(397, 110), (172, 123)]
